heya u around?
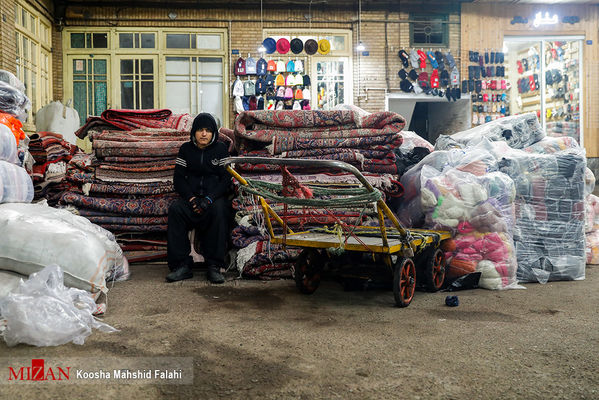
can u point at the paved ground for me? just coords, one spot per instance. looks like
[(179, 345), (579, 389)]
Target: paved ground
[(264, 340)]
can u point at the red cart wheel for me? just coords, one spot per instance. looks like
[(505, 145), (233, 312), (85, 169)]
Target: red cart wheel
[(404, 281), (435, 270), (307, 271)]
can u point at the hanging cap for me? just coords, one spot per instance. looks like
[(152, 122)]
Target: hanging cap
[(324, 46), (283, 46), (311, 47), (296, 46), (270, 45)]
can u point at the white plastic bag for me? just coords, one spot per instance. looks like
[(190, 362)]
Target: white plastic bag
[(43, 312), (8, 145), (35, 235), (58, 118)]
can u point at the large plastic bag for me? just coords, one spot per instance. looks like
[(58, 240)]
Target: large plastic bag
[(8, 145), (15, 184), (11, 79), (9, 281), (550, 213), (35, 235), (43, 312), (518, 131), (13, 101), (58, 118), (14, 125), (454, 190)]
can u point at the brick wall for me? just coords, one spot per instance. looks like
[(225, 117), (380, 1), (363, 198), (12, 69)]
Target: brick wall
[(7, 35), (383, 33)]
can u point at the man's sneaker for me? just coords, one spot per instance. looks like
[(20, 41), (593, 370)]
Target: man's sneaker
[(214, 275), (183, 272)]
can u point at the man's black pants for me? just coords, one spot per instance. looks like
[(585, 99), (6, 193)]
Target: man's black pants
[(211, 227)]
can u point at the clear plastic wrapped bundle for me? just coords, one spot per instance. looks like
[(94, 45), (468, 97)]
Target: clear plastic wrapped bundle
[(15, 184), (412, 139), (12, 80), (477, 162), (35, 235), (13, 101), (518, 131), (8, 145), (550, 213), (446, 142), (478, 206)]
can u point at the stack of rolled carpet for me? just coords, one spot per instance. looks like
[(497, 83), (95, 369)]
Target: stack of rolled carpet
[(367, 141)]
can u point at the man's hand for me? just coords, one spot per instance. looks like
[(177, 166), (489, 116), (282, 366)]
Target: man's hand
[(195, 205), (205, 203), (200, 204)]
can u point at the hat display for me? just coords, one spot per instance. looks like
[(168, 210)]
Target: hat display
[(282, 46), (250, 66), (280, 80), (271, 66), (288, 93), (290, 67), (324, 46), (240, 66), (306, 79), (281, 66), (261, 66), (299, 95), (238, 87), (270, 45), (311, 47), (297, 46), (249, 88), (306, 94)]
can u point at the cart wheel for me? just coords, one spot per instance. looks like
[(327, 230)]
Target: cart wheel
[(307, 271), (404, 281), (435, 270)]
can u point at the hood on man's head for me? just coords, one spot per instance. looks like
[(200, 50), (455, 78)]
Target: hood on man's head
[(204, 120)]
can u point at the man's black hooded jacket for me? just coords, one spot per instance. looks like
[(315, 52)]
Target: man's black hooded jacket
[(197, 172)]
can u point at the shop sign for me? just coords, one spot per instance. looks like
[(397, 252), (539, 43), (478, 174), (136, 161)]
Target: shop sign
[(541, 19)]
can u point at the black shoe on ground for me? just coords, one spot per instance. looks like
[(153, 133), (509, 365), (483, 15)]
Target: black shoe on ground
[(214, 275), (183, 272)]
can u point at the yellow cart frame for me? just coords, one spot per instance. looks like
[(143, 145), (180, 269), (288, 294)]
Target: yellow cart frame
[(396, 242)]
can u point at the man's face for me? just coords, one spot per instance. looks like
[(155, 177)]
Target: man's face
[(203, 137)]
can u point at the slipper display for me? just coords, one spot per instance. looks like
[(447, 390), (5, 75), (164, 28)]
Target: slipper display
[(440, 61), (404, 57), (422, 58), (432, 60), (435, 79), (414, 59)]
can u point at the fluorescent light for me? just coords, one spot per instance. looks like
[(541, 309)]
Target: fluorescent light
[(262, 49)]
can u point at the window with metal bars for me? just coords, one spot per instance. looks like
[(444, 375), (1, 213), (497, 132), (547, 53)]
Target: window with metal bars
[(429, 30)]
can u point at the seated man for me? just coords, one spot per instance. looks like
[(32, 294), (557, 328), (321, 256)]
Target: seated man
[(203, 186)]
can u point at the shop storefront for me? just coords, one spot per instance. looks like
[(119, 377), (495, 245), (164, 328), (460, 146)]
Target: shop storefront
[(550, 65)]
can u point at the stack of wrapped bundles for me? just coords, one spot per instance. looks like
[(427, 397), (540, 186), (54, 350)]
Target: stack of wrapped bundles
[(51, 153), (367, 141), (13, 99), (549, 179), (462, 191)]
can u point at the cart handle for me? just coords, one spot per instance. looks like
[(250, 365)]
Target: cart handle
[(298, 162)]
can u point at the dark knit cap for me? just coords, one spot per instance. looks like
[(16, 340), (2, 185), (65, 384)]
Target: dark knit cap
[(204, 120)]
